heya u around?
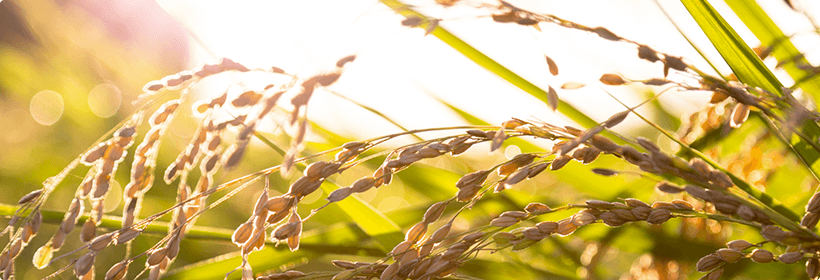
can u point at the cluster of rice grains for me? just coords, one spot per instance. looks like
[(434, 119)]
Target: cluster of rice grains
[(205, 149)]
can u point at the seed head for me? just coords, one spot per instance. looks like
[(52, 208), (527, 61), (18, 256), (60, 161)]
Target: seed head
[(709, 262), (729, 255), (659, 216), (791, 257), (762, 256), (536, 208)]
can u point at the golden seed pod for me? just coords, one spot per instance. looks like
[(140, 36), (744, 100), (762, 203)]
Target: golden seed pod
[(472, 179), (762, 256), (566, 227), (668, 187), (536, 208), (242, 233), (473, 237), (559, 162), (339, 194), (659, 216), (156, 256), (383, 176), (517, 176), (547, 227), (739, 115), (746, 213), (410, 255), (84, 264), (514, 214), (642, 213), (729, 255), (173, 246), (583, 218), (612, 80), (813, 268), (726, 207), (314, 170), (428, 152), (503, 222), (814, 203), (434, 212), (278, 203), (363, 184), (127, 235), (625, 214), (100, 242), (285, 230), (714, 275), (552, 98), (604, 171), (390, 271), (498, 139), (441, 233), (15, 248), (682, 205), (594, 203), (400, 249), (633, 202), (421, 268), (611, 219), (117, 271), (467, 193), (261, 202), (738, 245), (550, 63), (773, 233), (791, 257), (88, 231), (416, 232), (277, 217), (534, 233), (809, 220), (343, 264), (345, 274), (708, 262), (720, 180), (58, 239)]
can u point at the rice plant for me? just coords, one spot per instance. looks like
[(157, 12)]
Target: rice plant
[(243, 184)]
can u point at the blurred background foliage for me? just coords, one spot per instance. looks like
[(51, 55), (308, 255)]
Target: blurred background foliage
[(87, 51)]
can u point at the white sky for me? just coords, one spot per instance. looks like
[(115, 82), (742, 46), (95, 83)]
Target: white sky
[(398, 69)]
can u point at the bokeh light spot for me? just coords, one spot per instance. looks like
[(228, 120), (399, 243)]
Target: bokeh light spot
[(46, 107), (104, 100)]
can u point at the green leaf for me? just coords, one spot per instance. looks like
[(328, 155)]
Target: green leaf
[(770, 34), (748, 68)]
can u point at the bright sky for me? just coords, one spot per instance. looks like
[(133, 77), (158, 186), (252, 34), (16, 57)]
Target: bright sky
[(401, 72)]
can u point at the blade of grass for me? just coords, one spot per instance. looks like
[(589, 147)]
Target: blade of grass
[(764, 28), (749, 68)]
